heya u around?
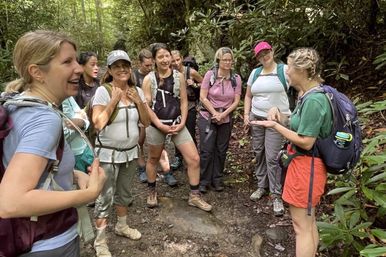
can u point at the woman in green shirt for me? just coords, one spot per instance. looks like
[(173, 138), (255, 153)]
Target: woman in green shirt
[(311, 119)]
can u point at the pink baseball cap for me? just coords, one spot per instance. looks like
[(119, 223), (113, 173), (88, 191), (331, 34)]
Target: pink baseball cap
[(262, 46)]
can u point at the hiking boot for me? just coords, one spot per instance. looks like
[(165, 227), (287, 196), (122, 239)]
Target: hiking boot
[(203, 189), (177, 163), (278, 207), (152, 199), (170, 179), (142, 174), (128, 232), (258, 194), (195, 199)]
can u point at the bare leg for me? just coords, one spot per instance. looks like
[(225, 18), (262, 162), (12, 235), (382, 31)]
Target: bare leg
[(154, 156), (192, 159), (164, 161), (305, 227)]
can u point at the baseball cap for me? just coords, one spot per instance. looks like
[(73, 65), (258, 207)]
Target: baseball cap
[(117, 55), (263, 45)]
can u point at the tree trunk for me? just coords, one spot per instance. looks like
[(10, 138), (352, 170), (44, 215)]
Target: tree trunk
[(83, 11), (98, 11)]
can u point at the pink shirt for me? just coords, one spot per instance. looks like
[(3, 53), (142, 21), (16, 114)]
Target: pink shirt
[(221, 94)]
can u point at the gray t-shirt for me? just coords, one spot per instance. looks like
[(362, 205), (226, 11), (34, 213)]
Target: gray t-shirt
[(37, 130), (267, 92), (122, 133)]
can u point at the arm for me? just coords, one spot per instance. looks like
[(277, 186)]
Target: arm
[(196, 76), (183, 100), (247, 105), (146, 87), (19, 198), (231, 108), (102, 113)]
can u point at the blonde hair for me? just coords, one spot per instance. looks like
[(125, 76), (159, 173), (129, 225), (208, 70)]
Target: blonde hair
[(36, 47), (176, 52), (307, 59), (220, 52)]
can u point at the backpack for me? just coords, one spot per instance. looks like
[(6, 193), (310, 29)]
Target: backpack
[(166, 105), (190, 61), (291, 92), (341, 150), (193, 92), (17, 235), (232, 78)]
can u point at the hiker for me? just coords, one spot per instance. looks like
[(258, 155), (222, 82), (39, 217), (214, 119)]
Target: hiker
[(49, 73), (146, 66), (264, 92), (220, 95), (118, 107), (165, 93), (88, 82), (192, 81), (83, 154), (309, 121)]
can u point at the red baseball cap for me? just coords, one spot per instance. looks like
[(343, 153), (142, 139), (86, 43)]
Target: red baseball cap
[(263, 45)]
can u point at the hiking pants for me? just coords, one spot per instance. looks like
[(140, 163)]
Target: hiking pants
[(213, 148), (266, 144)]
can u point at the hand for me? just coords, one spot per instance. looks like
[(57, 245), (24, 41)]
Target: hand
[(274, 114), (164, 128), (217, 116), (78, 122), (246, 120), (176, 128), (132, 94), (97, 178), (190, 82), (116, 94), (81, 179), (264, 123)]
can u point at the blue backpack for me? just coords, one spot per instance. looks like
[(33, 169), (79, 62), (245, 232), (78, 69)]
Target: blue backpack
[(341, 150)]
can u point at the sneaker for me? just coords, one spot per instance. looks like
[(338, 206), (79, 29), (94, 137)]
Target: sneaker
[(101, 249), (278, 207), (170, 179), (142, 174), (128, 232), (258, 194), (177, 163), (195, 199), (152, 199)]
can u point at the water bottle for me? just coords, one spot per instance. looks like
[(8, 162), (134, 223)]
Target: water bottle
[(342, 139)]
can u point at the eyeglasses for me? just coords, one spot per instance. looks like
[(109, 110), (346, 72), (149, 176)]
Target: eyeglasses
[(227, 60)]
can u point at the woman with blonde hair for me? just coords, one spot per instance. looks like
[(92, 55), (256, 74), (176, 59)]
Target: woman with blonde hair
[(311, 119), (219, 95), (34, 185)]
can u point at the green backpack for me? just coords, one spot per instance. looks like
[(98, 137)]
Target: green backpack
[(291, 92)]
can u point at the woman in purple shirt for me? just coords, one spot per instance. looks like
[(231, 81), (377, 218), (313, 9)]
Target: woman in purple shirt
[(219, 95)]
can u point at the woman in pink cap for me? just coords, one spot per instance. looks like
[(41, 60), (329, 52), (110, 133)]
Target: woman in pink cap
[(266, 88)]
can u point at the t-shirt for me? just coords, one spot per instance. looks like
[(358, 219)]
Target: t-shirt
[(313, 118), (122, 133), (267, 92), (37, 130), (139, 77), (221, 94), (86, 92)]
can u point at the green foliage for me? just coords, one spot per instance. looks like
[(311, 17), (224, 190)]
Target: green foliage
[(359, 200)]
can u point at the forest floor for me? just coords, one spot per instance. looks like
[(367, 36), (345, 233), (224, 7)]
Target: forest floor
[(236, 227)]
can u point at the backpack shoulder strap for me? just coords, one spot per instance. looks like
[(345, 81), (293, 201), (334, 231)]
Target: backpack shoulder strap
[(281, 75), (213, 77), (233, 79), (176, 87), (109, 89), (256, 73)]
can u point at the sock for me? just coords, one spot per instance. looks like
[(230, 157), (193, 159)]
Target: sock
[(194, 189), (151, 185), (122, 221)]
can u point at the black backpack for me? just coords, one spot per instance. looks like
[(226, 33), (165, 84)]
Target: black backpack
[(232, 78), (190, 61)]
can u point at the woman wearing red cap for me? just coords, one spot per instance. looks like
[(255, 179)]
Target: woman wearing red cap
[(266, 88)]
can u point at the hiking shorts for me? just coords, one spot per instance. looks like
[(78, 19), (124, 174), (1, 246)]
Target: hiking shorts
[(155, 137), (297, 181), (117, 188)]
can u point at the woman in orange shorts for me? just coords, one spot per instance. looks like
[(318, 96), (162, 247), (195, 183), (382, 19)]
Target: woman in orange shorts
[(311, 119)]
